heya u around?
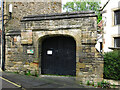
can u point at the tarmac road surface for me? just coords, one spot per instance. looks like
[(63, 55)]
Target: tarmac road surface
[(12, 80)]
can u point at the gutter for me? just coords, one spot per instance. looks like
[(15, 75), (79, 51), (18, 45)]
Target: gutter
[(3, 39), (104, 5)]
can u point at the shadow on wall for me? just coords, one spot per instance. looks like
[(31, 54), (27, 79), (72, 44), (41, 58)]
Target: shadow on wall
[(119, 19), (119, 26)]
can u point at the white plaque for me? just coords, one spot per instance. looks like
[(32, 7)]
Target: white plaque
[(49, 52), (30, 51)]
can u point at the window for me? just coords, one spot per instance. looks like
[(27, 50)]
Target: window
[(116, 17), (117, 42)]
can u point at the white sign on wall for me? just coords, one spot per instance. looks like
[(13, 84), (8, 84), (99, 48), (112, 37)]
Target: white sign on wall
[(30, 51), (49, 52)]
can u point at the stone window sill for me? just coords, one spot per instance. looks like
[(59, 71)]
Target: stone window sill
[(114, 48)]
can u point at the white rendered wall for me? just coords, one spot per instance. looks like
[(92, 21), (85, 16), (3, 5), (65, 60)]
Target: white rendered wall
[(110, 30)]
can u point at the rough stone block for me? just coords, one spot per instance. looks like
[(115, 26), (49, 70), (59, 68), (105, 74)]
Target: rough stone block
[(24, 41), (35, 65), (86, 69), (80, 65)]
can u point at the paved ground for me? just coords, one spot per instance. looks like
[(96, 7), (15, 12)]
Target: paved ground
[(5, 84), (39, 82)]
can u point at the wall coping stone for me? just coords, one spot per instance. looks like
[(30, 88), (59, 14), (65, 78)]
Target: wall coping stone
[(57, 16)]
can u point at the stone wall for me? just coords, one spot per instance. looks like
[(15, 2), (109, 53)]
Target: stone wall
[(23, 52), (21, 9), (14, 49)]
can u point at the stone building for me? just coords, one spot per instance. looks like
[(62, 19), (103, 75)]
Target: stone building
[(57, 43)]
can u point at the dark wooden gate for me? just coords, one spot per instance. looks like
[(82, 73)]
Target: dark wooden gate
[(58, 56)]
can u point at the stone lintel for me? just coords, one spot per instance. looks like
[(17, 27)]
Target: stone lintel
[(91, 43), (13, 33)]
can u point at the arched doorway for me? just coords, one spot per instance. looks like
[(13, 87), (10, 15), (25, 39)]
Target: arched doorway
[(58, 56)]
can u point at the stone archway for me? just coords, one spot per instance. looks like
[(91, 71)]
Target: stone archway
[(58, 55)]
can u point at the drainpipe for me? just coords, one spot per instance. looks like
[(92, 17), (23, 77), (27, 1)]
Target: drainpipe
[(3, 39)]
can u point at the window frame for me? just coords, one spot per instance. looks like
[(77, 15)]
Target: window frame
[(115, 20), (115, 45)]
